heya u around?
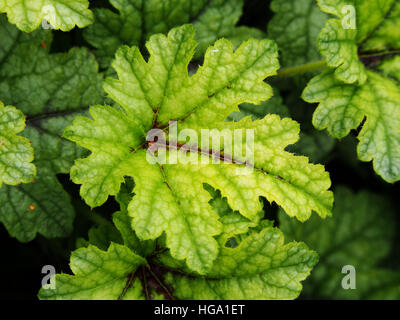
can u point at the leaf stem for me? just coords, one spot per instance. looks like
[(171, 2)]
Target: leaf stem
[(146, 290), (314, 66), (379, 54), (292, 71), (128, 285), (160, 282)]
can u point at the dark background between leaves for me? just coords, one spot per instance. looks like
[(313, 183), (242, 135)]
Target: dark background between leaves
[(21, 263)]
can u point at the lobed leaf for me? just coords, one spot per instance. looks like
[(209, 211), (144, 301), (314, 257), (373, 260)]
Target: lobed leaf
[(340, 41), (262, 267), (16, 153), (343, 107), (339, 47), (62, 14), (169, 198), (123, 223), (358, 84), (98, 275)]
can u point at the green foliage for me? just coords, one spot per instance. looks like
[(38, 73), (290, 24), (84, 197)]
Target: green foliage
[(295, 27), (313, 144), (80, 180), (360, 234), (62, 14), (16, 154), (343, 108), (50, 89), (99, 275), (261, 267), (273, 106), (137, 20), (155, 92), (351, 89)]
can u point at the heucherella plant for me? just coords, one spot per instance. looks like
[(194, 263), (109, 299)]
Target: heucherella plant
[(261, 266), (170, 198), (362, 79), (162, 150), (153, 93)]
